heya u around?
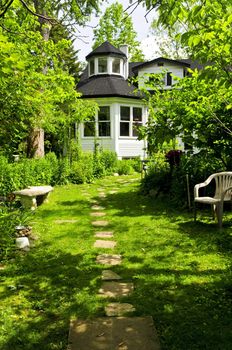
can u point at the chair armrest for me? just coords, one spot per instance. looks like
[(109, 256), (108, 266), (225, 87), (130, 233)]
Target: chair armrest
[(202, 184)]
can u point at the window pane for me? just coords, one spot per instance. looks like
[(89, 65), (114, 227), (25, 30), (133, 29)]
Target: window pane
[(91, 67), (89, 128), (125, 113), (104, 113), (116, 65), (124, 129), (104, 128), (137, 114), (136, 127), (169, 79), (102, 65)]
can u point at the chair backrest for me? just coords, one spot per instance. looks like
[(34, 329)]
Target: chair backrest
[(223, 181)]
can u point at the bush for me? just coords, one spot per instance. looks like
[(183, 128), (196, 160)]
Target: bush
[(171, 179), (124, 167), (82, 170), (10, 217), (109, 161)]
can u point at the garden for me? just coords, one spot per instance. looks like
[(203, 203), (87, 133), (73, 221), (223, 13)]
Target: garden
[(181, 270)]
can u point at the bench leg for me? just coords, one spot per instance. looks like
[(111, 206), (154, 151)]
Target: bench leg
[(28, 202)]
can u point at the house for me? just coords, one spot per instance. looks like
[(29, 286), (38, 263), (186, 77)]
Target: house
[(121, 107)]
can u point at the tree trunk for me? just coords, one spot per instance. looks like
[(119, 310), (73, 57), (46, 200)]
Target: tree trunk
[(35, 144), (35, 147)]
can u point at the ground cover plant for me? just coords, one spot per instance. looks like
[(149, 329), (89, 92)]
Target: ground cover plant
[(181, 270)]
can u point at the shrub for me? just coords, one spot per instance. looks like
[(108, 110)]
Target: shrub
[(10, 217), (109, 161), (124, 167), (82, 170)]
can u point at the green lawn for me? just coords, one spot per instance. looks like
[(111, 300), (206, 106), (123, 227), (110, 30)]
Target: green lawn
[(181, 270)]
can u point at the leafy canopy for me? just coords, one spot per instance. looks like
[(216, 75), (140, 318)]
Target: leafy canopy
[(116, 27)]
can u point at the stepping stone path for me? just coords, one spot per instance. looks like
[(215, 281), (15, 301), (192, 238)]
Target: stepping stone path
[(116, 289), (108, 275), (115, 331), (100, 223), (118, 309), (104, 234), (104, 244), (99, 214)]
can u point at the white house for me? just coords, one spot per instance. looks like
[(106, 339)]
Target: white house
[(121, 107)]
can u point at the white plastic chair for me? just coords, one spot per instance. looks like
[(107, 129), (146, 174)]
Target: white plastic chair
[(223, 192)]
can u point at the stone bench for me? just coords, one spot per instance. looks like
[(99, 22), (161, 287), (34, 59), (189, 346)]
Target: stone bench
[(33, 196)]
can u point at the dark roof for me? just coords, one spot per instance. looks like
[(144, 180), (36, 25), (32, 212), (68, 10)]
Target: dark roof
[(107, 86), (106, 49)]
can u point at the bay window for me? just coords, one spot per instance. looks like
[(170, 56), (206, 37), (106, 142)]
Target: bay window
[(99, 126), (130, 121)]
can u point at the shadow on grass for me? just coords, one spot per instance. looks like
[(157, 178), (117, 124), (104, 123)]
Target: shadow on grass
[(48, 289)]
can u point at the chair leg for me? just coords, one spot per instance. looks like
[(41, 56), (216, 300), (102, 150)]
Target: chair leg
[(195, 211), (219, 212)]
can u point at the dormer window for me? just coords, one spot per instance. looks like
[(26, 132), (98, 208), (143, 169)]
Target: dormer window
[(116, 65), (102, 65), (91, 67)]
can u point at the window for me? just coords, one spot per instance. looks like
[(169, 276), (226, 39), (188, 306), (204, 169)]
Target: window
[(124, 121), (169, 79), (116, 65), (137, 120), (130, 121), (104, 121), (89, 128), (102, 65), (99, 126), (91, 67)]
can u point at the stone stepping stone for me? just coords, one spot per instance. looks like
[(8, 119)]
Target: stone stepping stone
[(118, 309), (104, 244), (116, 289), (102, 195), (113, 333), (104, 234), (98, 214), (100, 189), (65, 221), (108, 275), (109, 259), (112, 192), (100, 223), (97, 207)]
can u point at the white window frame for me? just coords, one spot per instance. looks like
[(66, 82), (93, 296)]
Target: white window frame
[(96, 123), (107, 64), (131, 122)]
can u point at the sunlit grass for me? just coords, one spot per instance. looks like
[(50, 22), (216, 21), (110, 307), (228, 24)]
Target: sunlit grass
[(181, 270)]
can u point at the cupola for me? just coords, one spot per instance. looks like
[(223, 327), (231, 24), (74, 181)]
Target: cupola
[(107, 59)]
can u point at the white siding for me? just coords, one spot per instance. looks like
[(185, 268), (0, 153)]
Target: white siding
[(123, 146), (177, 71)]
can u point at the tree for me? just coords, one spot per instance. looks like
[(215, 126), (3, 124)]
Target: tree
[(33, 20), (167, 41), (200, 107), (116, 27)]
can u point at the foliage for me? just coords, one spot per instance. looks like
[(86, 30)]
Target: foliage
[(199, 107), (37, 90), (10, 217), (167, 41), (117, 28), (175, 179)]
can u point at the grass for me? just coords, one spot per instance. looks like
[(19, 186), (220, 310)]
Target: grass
[(181, 270)]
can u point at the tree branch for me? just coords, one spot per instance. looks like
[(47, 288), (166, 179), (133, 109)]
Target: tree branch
[(6, 8), (49, 19)]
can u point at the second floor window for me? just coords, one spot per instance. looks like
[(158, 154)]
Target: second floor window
[(102, 65)]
